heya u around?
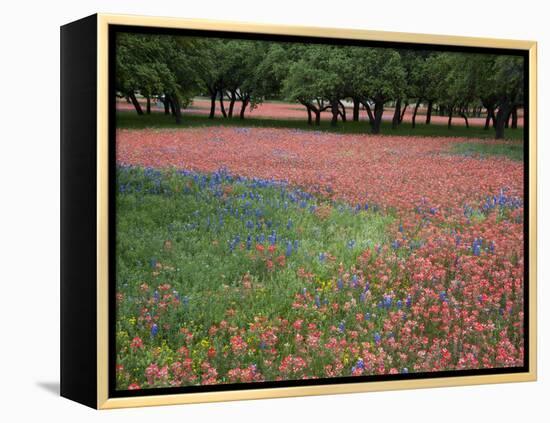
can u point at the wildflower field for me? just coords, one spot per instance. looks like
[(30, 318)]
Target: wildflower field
[(262, 254)]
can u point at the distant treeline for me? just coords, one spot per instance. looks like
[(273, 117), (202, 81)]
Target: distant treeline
[(240, 74)]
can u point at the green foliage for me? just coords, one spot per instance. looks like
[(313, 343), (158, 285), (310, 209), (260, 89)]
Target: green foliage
[(315, 75)]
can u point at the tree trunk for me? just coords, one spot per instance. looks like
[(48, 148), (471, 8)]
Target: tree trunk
[(449, 122), (369, 113), (246, 100), (356, 110), (396, 114), (502, 116), (136, 104), (172, 108), (222, 106), (429, 112), (166, 105), (232, 103), (212, 104), (343, 112), (317, 117), (415, 112), (515, 117), (378, 113), (177, 108), (490, 115), (334, 108), (403, 112), (148, 105), (309, 117), (463, 114)]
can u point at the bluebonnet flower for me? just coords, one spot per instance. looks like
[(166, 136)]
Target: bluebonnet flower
[(322, 257), (395, 244), (154, 330), (476, 246), (156, 296), (340, 283), (341, 327), (404, 370), (317, 301), (249, 224), (289, 224), (400, 227), (399, 304), (186, 301), (409, 301), (288, 251), (351, 244), (377, 338), (443, 296), (153, 262), (248, 242), (354, 281), (367, 316)]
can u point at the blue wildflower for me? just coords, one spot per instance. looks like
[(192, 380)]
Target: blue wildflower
[(288, 251), (154, 330)]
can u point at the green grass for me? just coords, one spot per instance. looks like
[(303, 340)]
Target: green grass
[(130, 119), (512, 150), (202, 217)]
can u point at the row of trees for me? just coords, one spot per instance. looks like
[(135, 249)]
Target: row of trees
[(240, 74)]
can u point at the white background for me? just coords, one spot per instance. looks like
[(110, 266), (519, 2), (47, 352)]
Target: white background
[(29, 175)]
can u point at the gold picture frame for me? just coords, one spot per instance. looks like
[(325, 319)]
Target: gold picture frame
[(102, 23)]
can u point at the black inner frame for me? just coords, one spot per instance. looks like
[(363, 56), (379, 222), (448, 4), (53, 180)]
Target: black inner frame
[(115, 393)]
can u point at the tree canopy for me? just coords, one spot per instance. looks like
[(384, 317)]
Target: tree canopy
[(234, 72)]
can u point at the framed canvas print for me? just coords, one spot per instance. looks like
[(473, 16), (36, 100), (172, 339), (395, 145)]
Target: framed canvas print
[(253, 211)]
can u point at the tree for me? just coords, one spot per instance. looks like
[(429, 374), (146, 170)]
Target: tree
[(315, 83), (154, 65), (507, 83), (384, 81)]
